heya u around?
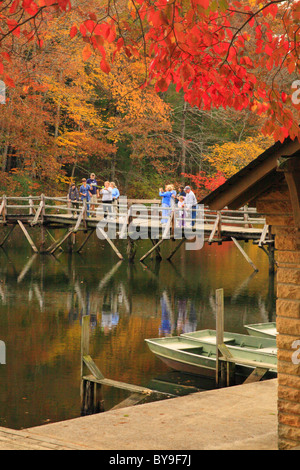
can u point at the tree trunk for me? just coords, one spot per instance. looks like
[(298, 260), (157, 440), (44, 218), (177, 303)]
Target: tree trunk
[(57, 121), (113, 167), (73, 170), (183, 144), (4, 157)]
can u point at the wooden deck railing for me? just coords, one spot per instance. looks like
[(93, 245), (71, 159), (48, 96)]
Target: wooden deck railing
[(59, 212), (40, 207)]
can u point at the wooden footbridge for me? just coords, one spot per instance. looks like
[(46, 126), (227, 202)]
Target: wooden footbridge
[(142, 217)]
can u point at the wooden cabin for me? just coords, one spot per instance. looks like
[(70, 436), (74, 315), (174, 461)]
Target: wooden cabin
[(271, 183)]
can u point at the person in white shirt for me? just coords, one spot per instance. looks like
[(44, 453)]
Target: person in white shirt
[(190, 204), (181, 212), (107, 199)]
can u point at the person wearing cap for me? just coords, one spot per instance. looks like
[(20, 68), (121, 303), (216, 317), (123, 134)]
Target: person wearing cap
[(190, 203), (73, 197), (85, 193)]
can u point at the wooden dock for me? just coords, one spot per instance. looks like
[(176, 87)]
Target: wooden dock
[(246, 419), (133, 220), (91, 385)]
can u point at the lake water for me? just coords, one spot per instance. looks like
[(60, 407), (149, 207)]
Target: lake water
[(43, 298)]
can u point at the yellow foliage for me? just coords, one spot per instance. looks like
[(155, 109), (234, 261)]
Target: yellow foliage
[(231, 157)]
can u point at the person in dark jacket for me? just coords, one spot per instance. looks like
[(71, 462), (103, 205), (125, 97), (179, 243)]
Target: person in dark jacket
[(73, 197), (181, 192)]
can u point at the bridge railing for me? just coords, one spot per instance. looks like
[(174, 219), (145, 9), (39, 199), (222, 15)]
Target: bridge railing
[(60, 206)]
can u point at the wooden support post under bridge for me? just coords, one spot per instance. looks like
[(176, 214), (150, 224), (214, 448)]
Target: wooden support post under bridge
[(176, 249), (157, 249), (53, 239), (54, 212), (267, 240), (7, 235), (29, 239), (58, 243), (131, 246), (244, 254), (85, 241)]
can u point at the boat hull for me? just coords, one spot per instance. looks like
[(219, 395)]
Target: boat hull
[(189, 368), (194, 357), (262, 330)]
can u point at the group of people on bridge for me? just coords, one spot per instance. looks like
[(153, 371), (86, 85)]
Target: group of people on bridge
[(184, 199), (90, 192)]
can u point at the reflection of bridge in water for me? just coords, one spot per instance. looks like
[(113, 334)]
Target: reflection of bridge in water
[(102, 300), (137, 219)]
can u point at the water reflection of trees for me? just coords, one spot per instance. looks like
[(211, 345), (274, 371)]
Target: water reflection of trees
[(43, 299), (182, 306)]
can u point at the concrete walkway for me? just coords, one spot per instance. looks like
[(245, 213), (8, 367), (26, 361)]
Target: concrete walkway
[(236, 418)]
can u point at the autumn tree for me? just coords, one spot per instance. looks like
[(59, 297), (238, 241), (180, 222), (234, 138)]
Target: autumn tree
[(242, 55), (226, 159), (231, 157), (195, 131), (65, 111)]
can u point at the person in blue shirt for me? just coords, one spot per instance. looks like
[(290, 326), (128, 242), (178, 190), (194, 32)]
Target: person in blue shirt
[(85, 193), (166, 202), (115, 196), (92, 182)]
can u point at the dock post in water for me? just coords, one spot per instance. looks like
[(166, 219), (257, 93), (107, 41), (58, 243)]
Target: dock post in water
[(90, 391), (220, 366), (271, 254), (225, 370), (43, 234), (131, 246)]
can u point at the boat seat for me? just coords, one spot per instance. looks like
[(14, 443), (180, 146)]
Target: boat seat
[(269, 350), (208, 339), (212, 339), (230, 341), (272, 331)]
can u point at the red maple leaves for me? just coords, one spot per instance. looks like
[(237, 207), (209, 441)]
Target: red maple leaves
[(205, 184), (221, 54)]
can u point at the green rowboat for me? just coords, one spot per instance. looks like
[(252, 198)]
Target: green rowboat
[(199, 357), (262, 330), (236, 341)]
